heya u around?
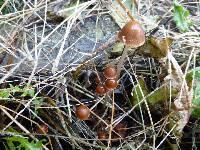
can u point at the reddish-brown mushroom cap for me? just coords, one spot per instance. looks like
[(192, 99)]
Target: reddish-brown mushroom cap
[(110, 72), (132, 34), (100, 89), (111, 84), (82, 112)]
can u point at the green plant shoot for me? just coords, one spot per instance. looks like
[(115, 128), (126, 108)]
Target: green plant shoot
[(180, 17)]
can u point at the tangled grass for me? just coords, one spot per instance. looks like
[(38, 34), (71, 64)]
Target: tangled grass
[(51, 52)]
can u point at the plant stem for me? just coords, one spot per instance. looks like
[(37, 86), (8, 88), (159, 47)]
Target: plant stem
[(125, 9)]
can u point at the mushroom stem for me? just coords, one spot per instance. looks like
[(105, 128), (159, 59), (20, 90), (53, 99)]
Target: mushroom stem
[(121, 61), (132, 35)]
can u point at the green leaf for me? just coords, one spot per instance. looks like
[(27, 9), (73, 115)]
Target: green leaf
[(197, 74), (25, 93), (5, 146), (118, 47), (11, 145), (196, 111), (38, 101), (4, 93), (14, 89), (28, 91), (196, 100), (155, 47), (31, 92), (158, 96), (139, 91), (23, 143), (180, 17)]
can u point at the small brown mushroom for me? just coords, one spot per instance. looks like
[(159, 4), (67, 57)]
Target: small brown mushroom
[(110, 72), (132, 34), (111, 84), (100, 89), (82, 112)]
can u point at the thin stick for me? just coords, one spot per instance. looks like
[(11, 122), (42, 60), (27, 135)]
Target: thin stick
[(125, 9), (111, 121)]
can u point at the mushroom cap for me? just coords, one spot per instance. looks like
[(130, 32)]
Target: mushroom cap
[(111, 84), (110, 72), (100, 90), (82, 112), (132, 34)]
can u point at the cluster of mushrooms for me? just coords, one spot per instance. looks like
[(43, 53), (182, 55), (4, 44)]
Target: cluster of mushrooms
[(110, 74), (133, 36)]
